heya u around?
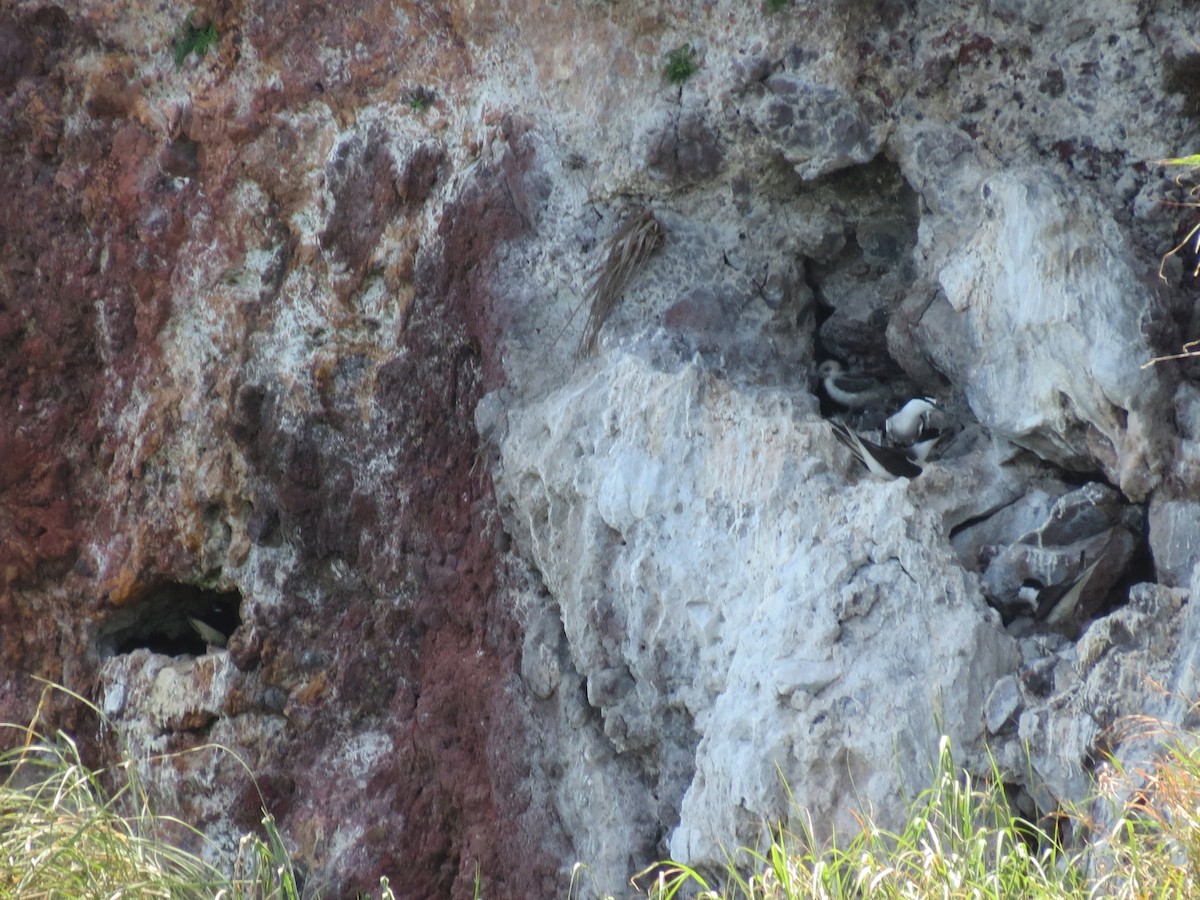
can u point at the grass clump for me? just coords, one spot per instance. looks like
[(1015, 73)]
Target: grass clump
[(62, 836), (962, 841), (1189, 245), (69, 832), (1153, 847), (1192, 163), (189, 39), (774, 6), (681, 64)]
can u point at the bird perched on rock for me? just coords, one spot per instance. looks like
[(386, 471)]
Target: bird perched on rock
[(933, 444), (917, 420), (1056, 603), (208, 634), (882, 462), (850, 391)]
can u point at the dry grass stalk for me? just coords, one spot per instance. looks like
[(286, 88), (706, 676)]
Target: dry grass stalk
[(629, 249), (1191, 350)]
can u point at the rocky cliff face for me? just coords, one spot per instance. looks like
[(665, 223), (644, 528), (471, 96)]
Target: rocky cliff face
[(288, 343)]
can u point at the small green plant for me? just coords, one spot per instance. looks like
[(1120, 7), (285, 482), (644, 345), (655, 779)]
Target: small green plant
[(420, 99), (774, 6), (189, 39), (681, 64)]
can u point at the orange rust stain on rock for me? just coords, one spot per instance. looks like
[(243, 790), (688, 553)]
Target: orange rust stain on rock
[(312, 693)]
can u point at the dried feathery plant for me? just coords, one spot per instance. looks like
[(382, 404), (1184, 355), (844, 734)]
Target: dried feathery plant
[(628, 250)]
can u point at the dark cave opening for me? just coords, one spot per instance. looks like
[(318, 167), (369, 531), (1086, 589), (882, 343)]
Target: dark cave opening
[(173, 619), (862, 270)]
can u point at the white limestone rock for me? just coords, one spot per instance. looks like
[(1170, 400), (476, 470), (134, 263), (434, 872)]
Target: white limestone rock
[(156, 703), (945, 167), (1049, 331), (1119, 687), (734, 593), (1174, 535), (724, 572), (1002, 705)]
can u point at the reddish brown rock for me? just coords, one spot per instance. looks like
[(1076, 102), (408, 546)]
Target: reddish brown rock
[(132, 470)]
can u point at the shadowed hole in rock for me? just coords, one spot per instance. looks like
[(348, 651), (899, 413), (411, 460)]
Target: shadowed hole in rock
[(1024, 810), (1181, 75), (1083, 477), (169, 620), (860, 270), (1140, 570)]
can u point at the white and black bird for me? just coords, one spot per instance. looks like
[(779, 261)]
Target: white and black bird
[(932, 444), (1056, 603), (850, 391), (882, 462), (208, 634), (917, 420)]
